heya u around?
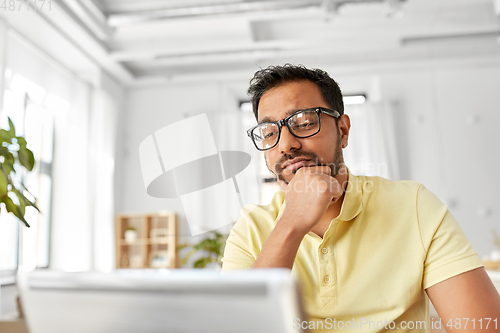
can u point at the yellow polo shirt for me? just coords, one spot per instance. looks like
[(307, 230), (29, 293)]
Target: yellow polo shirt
[(369, 272)]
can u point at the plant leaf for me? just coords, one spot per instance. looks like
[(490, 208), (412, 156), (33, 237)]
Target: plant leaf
[(14, 209), (23, 200), (5, 136), (4, 151), (21, 141), (26, 158), (3, 183), (9, 158), (12, 129), (24, 186), (202, 262), (8, 168), (178, 247), (214, 246), (187, 256)]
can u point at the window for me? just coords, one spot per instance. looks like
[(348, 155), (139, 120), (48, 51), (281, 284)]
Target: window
[(32, 110)]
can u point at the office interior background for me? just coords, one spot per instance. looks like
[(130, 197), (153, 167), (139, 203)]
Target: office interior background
[(85, 81)]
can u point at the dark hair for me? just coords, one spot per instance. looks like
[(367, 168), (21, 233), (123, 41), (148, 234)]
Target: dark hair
[(273, 76)]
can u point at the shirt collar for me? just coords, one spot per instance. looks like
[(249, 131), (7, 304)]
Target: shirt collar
[(353, 199)]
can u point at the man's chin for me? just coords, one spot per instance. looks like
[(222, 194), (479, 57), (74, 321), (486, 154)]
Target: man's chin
[(286, 179), (288, 176)]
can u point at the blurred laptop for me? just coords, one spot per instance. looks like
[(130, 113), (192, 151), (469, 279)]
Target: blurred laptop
[(176, 301)]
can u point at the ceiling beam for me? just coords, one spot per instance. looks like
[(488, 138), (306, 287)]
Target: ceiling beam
[(196, 50), (78, 36), (304, 49), (339, 68), (91, 17), (232, 9), (406, 41)]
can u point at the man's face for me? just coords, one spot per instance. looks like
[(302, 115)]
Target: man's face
[(324, 148)]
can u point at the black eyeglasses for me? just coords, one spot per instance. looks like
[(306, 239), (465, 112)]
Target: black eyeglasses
[(302, 124)]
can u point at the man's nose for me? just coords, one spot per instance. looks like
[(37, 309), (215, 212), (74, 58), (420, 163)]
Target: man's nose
[(288, 141)]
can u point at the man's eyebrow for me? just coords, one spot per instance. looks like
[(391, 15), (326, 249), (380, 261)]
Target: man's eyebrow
[(268, 119)]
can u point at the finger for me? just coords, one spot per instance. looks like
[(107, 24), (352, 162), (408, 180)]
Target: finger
[(336, 189), (319, 169)]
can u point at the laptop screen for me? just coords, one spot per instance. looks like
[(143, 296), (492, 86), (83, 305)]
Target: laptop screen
[(263, 300)]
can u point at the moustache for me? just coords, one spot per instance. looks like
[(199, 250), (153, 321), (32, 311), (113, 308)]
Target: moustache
[(288, 157)]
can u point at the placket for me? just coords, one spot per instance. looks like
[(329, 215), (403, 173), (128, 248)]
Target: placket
[(327, 267)]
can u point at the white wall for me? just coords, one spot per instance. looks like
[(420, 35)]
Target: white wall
[(448, 117), (446, 114)]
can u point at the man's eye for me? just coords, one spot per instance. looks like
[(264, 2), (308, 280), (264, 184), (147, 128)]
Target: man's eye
[(270, 135), (305, 125)]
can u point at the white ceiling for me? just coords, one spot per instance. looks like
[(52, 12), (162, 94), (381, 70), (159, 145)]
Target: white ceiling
[(154, 39)]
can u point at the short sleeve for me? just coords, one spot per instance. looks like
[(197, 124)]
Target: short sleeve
[(448, 251), (237, 254), (250, 232)]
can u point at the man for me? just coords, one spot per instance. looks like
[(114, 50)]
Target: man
[(367, 252)]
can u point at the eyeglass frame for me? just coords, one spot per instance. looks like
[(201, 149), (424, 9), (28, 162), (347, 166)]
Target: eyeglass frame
[(284, 122)]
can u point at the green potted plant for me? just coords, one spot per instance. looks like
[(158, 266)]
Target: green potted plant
[(130, 235), (14, 156), (213, 248)]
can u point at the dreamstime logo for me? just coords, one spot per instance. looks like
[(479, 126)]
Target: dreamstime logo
[(182, 160)]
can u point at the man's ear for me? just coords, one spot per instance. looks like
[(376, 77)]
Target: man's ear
[(344, 125)]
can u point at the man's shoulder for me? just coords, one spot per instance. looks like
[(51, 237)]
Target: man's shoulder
[(385, 183), (384, 187)]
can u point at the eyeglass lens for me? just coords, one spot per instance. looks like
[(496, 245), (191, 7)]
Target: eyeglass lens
[(302, 125)]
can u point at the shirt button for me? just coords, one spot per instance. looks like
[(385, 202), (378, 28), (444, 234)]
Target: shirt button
[(327, 279), (324, 250)]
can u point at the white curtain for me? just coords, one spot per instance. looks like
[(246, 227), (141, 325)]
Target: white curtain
[(223, 201), (66, 96), (230, 124), (102, 140), (82, 217), (372, 148)]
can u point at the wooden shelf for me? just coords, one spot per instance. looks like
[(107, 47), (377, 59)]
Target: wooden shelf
[(155, 243)]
